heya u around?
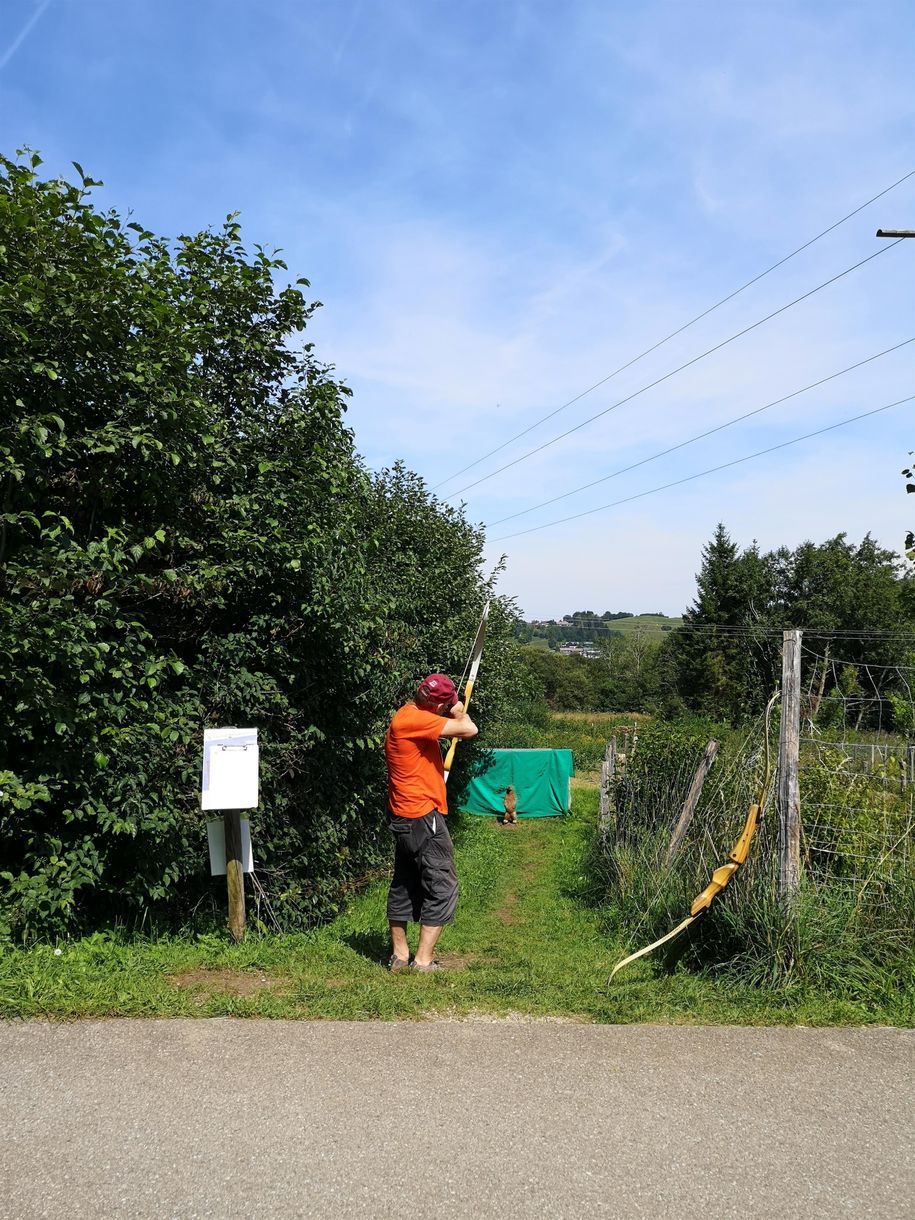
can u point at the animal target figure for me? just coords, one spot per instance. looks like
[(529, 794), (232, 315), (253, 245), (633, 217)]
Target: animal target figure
[(510, 803)]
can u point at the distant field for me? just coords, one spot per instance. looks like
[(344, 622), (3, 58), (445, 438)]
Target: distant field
[(645, 622), (652, 624)]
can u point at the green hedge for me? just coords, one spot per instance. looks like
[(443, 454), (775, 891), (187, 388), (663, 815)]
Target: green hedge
[(188, 538)]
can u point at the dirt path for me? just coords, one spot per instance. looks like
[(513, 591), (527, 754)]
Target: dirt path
[(533, 935)]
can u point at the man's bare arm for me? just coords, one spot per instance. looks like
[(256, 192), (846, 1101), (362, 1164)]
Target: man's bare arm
[(460, 724)]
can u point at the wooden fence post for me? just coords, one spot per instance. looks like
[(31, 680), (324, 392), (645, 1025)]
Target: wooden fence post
[(692, 800), (235, 874), (604, 815), (607, 773), (789, 802)]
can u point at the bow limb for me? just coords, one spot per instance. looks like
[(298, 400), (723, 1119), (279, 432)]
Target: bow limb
[(723, 874), (655, 944), (473, 669), (701, 903)]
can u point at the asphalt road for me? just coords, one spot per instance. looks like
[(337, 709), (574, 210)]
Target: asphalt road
[(230, 1118)]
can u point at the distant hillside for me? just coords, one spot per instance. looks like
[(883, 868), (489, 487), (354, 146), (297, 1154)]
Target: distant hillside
[(647, 622), (587, 628)]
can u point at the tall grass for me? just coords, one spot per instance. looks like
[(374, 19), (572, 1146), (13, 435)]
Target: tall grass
[(853, 940)]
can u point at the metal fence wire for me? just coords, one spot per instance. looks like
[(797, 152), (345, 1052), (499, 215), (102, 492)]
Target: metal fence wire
[(857, 772), (853, 756)]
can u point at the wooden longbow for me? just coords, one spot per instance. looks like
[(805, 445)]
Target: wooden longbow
[(723, 874)]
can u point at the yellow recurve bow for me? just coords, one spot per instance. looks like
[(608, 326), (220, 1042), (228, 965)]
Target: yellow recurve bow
[(723, 874), (471, 669)]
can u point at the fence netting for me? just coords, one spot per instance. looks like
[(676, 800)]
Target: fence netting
[(856, 771), (856, 780)]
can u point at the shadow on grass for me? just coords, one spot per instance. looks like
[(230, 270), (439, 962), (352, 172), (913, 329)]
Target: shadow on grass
[(374, 946), (460, 823), (587, 883)]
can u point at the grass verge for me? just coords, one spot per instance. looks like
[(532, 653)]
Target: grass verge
[(527, 943)]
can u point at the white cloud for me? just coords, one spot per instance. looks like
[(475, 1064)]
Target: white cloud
[(500, 205)]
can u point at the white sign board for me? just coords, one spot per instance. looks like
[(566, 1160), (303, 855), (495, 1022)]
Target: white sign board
[(216, 839), (230, 769)]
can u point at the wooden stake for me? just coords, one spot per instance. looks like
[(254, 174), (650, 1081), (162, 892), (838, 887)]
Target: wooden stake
[(235, 874), (607, 773), (789, 800), (692, 800), (604, 816)]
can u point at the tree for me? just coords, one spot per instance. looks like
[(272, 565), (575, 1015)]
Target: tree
[(567, 682), (727, 656), (189, 538), (707, 656), (631, 677)]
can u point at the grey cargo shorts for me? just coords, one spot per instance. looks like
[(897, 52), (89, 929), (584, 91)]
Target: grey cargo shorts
[(424, 887)]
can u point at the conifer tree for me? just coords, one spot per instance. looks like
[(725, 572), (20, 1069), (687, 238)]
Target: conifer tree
[(702, 653)]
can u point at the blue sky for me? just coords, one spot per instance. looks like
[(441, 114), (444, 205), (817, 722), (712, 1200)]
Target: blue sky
[(500, 203)]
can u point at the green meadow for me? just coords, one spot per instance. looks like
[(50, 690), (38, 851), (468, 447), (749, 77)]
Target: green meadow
[(533, 939)]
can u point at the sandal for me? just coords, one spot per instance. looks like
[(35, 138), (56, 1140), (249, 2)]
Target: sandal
[(396, 964), (435, 964)]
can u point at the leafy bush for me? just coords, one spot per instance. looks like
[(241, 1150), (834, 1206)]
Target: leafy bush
[(187, 538)]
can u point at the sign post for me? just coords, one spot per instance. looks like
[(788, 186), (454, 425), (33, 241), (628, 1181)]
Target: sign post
[(235, 876), (229, 784)]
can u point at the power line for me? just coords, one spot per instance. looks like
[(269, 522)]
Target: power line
[(700, 436), (841, 661), (673, 334), (695, 360), (712, 470), (748, 634)]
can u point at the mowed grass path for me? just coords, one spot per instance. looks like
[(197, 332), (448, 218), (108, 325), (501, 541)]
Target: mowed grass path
[(527, 943)]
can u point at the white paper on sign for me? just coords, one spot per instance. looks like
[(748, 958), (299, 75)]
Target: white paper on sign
[(216, 840), (231, 760)]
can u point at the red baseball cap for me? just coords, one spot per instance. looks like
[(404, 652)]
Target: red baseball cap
[(437, 690)]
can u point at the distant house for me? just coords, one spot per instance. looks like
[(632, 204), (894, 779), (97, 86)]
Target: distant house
[(587, 648)]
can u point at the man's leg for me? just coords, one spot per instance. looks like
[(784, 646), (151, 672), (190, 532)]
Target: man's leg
[(439, 884), (428, 935), (405, 893), (399, 945)]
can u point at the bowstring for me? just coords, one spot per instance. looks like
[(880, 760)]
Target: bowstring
[(467, 666)]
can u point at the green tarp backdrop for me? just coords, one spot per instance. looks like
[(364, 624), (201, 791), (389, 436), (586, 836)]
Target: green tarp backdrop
[(541, 779)]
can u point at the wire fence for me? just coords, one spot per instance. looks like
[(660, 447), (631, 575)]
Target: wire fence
[(673, 805), (670, 813), (857, 771)]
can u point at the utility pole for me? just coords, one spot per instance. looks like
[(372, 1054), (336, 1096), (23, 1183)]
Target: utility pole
[(896, 232)]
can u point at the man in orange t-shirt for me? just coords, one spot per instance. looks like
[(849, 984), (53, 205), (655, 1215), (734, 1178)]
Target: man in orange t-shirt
[(424, 887)]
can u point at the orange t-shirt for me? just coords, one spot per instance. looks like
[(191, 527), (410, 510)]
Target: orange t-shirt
[(416, 775)]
